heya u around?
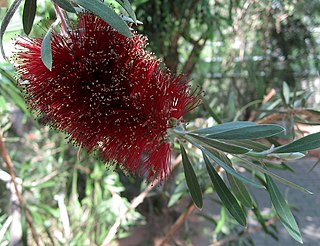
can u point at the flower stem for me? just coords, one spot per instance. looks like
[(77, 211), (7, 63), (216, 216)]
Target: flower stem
[(61, 15)]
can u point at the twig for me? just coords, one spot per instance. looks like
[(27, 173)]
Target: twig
[(135, 203), (245, 233), (9, 164), (176, 226), (61, 15), (280, 115)]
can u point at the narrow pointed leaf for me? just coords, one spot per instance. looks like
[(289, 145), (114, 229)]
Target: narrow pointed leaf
[(46, 52), (225, 166), (107, 14), (249, 132), (127, 6), (275, 176), (240, 191), (66, 5), (225, 195), (224, 127), (5, 22), (29, 13), (283, 210), (226, 147), (191, 179), (309, 142), (249, 144), (238, 188), (286, 93)]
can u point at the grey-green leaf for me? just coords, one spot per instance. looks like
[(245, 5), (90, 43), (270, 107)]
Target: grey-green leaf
[(107, 14), (46, 52), (286, 93), (283, 210), (249, 132), (127, 6), (225, 195), (29, 13), (191, 179), (224, 127), (226, 167), (240, 191), (66, 5), (249, 144), (275, 176), (5, 22), (226, 147), (309, 142)]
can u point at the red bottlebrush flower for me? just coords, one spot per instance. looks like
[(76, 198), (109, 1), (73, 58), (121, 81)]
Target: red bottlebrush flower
[(107, 93)]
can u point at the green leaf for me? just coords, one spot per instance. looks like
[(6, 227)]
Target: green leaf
[(226, 147), (46, 52), (225, 195), (224, 127), (249, 132), (221, 221), (240, 191), (127, 6), (283, 210), (282, 180), (5, 22), (107, 14), (177, 194), (249, 144), (309, 142), (29, 13), (238, 188), (286, 93), (191, 179), (226, 167), (66, 5)]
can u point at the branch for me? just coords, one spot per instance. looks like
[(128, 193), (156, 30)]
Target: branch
[(194, 54), (61, 15), (283, 114), (9, 164), (176, 226)]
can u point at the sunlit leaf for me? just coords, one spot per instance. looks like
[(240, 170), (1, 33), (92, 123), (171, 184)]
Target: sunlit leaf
[(191, 179), (5, 22), (107, 14), (179, 191), (286, 93), (46, 52), (221, 221), (224, 193), (283, 210)]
